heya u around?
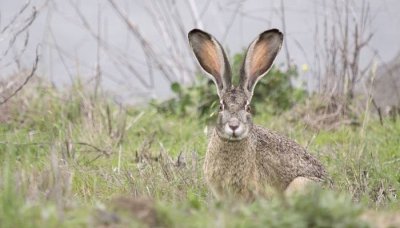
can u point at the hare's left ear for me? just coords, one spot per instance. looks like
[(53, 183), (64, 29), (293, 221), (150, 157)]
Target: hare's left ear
[(259, 58)]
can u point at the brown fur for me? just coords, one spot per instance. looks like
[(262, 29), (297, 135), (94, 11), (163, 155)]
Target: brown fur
[(249, 167)]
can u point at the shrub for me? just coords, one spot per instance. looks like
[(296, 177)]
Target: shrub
[(274, 94)]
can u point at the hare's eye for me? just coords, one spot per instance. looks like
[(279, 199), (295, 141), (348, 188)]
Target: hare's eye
[(247, 108), (221, 107)]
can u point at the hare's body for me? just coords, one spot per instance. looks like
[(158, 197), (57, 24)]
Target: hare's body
[(230, 167), (243, 159), (262, 161)]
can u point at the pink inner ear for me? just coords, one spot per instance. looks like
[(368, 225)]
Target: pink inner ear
[(210, 57), (259, 59)]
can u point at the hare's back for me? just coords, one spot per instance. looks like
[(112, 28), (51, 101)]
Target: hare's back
[(284, 157)]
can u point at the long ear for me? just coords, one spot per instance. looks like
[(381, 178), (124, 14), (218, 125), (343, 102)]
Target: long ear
[(212, 59), (259, 58)]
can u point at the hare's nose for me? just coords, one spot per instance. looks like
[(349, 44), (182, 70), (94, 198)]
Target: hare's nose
[(233, 124)]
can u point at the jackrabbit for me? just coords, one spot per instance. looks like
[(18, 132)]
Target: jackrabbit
[(244, 160)]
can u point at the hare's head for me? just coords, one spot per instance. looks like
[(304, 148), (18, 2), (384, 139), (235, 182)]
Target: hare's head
[(234, 119)]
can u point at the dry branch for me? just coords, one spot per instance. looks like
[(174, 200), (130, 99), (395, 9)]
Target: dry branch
[(19, 88), (148, 50)]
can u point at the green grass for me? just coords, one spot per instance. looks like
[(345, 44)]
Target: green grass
[(70, 160)]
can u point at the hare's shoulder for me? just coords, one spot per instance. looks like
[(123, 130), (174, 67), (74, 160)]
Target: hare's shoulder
[(285, 153), (276, 142)]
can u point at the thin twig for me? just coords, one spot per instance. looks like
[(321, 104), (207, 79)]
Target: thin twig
[(34, 68), (148, 50), (14, 19), (283, 21), (378, 110), (104, 152), (28, 22)]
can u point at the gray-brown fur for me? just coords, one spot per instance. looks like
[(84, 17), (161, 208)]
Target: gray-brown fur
[(264, 159), (245, 160), (280, 160)]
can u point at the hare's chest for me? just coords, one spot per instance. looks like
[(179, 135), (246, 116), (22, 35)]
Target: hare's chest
[(228, 171)]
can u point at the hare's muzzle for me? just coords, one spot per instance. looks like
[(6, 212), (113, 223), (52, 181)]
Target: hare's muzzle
[(234, 129), (233, 124)]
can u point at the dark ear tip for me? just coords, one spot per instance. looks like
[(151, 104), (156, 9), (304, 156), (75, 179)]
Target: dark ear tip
[(272, 31), (275, 30), (197, 31)]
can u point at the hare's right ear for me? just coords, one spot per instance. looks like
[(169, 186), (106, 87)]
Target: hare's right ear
[(212, 59)]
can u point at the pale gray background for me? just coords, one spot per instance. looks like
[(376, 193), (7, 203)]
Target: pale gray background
[(68, 49)]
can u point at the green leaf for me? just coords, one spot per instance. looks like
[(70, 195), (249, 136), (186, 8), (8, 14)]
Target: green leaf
[(176, 87)]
